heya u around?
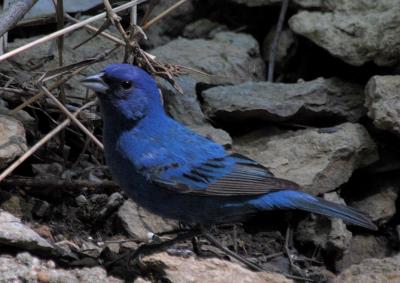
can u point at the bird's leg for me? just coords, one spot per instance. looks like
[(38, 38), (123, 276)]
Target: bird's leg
[(289, 250), (147, 249), (150, 248), (227, 251)]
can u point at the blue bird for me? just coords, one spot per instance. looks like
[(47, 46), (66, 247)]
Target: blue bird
[(176, 173)]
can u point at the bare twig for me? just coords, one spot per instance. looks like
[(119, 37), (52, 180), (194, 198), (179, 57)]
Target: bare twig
[(67, 30), (14, 14), (71, 116), (275, 42), (163, 14), (40, 143)]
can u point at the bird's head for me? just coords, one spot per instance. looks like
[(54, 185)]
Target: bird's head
[(125, 89)]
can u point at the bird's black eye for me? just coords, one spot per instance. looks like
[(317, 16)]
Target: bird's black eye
[(126, 84)]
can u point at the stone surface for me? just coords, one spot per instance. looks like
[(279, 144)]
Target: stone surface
[(286, 47), (381, 204), (12, 139), (320, 160), (330, 234), (355, 31), (302, 101), (186, 109), (386, 270), (169, 26), (191, 269), (363, 247), (203, 28), (140, 223), (382, 98), (227, 58), (14, 233), (25, 268)]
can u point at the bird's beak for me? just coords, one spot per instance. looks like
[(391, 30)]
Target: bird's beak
[(95, 83)]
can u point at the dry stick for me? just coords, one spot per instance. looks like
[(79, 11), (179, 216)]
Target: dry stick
[(67, 30), (52, 87), (45, 139), (72, 117), (163, 14), (275, 42), (14, 14)]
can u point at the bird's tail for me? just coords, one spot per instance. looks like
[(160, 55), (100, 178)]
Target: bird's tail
[(288, 199)]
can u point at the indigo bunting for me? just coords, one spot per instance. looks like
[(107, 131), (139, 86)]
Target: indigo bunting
[(176, 173)]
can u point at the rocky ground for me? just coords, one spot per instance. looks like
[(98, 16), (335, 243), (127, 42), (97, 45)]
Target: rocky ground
[(330, 121)]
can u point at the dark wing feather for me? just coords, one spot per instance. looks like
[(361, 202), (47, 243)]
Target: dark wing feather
[(232, 175)]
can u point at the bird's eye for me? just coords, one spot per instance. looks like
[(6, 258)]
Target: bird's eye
[(126, 84)]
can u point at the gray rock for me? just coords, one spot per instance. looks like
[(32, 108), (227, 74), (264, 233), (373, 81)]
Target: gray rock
[(383, 102), (320, 160), (328, 234), (363, 247), (286, 47), (186, 109), (140, 223), (12, 139), (386, 270), (14, 233), (203, 28), (192, 269), (171, 25), (228, 58), (354, 31), (317, 99), (381, 205), (26, 268)]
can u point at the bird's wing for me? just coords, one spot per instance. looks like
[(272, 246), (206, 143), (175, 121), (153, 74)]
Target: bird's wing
[(231, 175)]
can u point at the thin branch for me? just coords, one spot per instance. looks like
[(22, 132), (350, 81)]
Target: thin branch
[(67, 30), (163, 14), (14, 14), (275, 42), (40, 143), (71, 116)]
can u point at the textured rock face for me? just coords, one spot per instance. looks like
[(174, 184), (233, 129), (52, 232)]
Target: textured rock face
[(12, 139), (328, 234), (385, 270), (171, 25), (381, 205), (363, 247), (140, 223), (25, 268), (182, 270), (227, 58), (354, 31), (383, 102), (320, 98), (14, 233), (318, 159)]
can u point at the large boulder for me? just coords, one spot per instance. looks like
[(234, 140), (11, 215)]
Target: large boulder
[(302, 101), (383, 102), (192, 269), (320, 160), (226, 58), (386, 270), (355, 31), (12, 139)]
